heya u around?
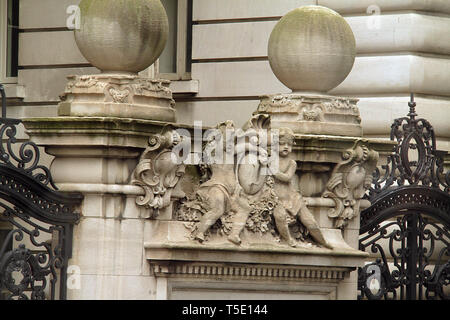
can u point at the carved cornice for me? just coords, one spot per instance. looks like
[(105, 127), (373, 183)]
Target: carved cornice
[(248, 271)]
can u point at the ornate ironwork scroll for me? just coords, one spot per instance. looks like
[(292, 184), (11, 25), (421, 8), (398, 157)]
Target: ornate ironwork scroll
[(414, 263), (35, 252), (412, 136), (407, 227)]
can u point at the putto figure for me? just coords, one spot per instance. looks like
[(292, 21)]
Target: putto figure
[(253, 192), (215, 195), (291, 204)]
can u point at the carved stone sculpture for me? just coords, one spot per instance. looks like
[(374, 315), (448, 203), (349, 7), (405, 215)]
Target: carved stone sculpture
[(157, 172), (214, 197), (254, 192), (291, 204), (312, 113), (120, 95), (349, 182)]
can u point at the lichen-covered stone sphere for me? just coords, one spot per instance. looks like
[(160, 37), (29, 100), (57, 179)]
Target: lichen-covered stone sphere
[(312, 49), (122, 35)]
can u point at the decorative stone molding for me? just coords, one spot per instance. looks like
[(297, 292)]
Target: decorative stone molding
[(292, 102), (117, 95), (137, 86), (156, 171), (242, 271), (313, 114), (349, 182)]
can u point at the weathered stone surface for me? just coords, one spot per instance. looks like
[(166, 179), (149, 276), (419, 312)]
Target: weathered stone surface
[(123, 96), (117, 35), (252, 226), (313, 114), (312, 49)]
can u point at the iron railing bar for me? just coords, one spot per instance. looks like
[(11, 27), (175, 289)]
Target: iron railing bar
[(2, 92)]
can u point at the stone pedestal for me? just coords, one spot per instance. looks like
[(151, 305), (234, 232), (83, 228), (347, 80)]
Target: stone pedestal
[(96, 156), (313, 114), (117, 95), (220, 270)]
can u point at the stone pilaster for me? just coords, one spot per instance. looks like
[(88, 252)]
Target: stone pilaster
[(96, 156), (104, 123)]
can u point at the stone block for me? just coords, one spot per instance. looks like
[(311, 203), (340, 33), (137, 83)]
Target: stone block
[(237, 9), (51, 14), (34, 49), (109, 246), (48, 84), (378, 113), (393, 32), (389, 74), (193, 111), (361, 6), (107, 287), (231, 40), (256, 290)]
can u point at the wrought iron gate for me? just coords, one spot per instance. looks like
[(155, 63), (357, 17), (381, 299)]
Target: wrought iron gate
[(407, 227), (36, 221)]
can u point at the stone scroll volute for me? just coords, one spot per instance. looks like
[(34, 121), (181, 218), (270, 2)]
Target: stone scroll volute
[(349, 181), (157, 172)]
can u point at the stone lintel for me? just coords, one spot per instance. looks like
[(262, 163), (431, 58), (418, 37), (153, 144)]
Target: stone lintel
[(168, 240)]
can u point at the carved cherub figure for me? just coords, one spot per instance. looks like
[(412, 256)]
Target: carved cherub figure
[(291, 204), (251, 160), (215, 195)]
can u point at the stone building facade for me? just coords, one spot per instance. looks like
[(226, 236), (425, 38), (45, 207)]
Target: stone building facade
[(401, 44), (218, 66)]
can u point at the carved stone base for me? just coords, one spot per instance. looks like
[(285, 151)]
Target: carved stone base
[(313, 114), (121, 96), (177, 233), (221, 271)]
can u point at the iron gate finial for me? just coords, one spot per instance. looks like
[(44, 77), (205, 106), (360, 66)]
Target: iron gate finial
[(412, 108)]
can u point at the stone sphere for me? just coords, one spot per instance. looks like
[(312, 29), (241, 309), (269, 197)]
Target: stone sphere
[(122, 35), (312, 49)]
